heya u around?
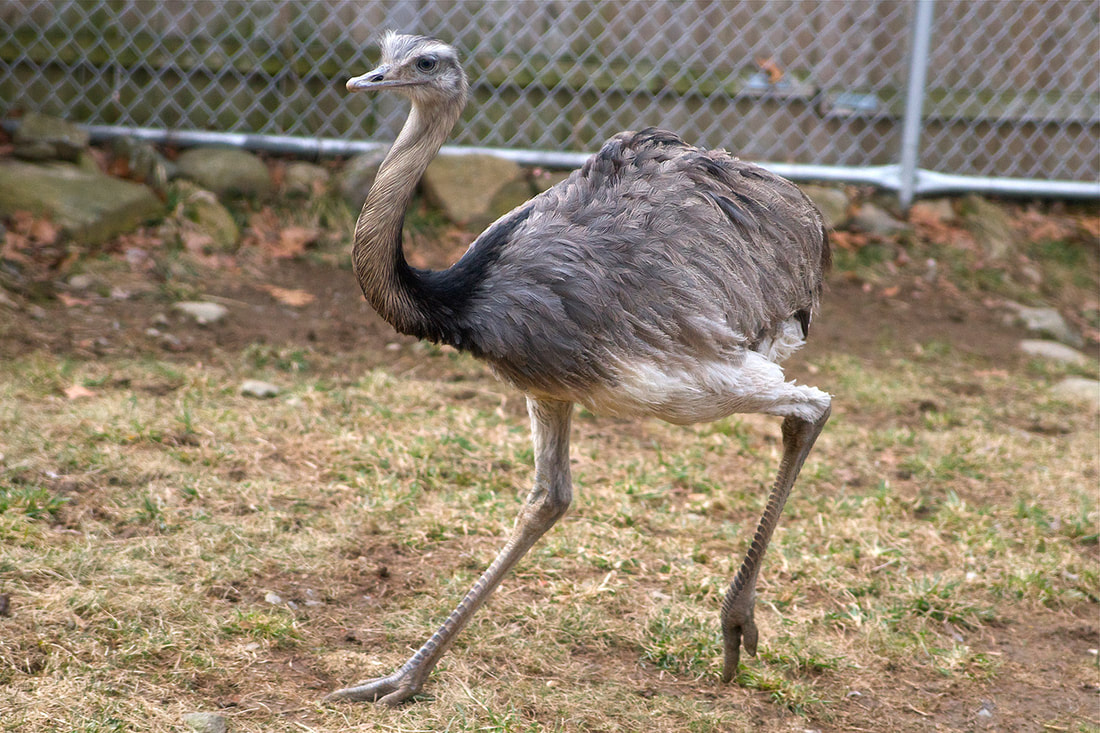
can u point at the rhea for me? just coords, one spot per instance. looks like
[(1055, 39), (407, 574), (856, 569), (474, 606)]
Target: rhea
[(659, 280)]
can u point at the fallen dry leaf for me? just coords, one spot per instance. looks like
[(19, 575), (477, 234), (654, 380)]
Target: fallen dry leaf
[(13, 249), (288, 296), (21, 221), (850, 241), (70, 301), (292, 241), (77, 391), (769, 67), (43, 231), (196, 242), (1090, 225), (932, 228)]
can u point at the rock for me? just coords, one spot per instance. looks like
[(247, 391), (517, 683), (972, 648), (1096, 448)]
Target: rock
[(226, 171), (356, 177), (464, 186), (263, 390), (87, 163), (990, 225), (205, 722), (88, 206), (145, 162), (1079, 390), (203, 312), (873, 219), (512, 194), (41, 137), (200, 211), (1047, 321), (84, 281), (271, 596), (1053, 351), (544, 180), (831, 202), (1032, 274), (303, 179)]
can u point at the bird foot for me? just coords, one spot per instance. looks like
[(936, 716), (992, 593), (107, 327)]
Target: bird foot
[(738, 629), (392, 690)]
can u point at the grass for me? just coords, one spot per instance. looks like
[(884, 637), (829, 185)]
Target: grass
[(169, 545), (191, 548)]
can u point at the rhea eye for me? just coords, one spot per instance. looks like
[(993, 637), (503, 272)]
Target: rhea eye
[(426, 63)]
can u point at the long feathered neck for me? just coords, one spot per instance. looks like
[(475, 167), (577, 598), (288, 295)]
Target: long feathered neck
[(397, 291)]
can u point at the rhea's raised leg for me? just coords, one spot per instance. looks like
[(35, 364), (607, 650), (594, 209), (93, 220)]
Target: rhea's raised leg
[(738, 626), (545, 504)]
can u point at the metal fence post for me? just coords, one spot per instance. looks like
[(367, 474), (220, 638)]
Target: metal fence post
[(914, 100)]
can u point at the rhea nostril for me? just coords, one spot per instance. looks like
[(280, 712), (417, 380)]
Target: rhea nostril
[(376, 78)]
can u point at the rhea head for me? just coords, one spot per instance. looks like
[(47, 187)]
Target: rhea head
[(425, 70)]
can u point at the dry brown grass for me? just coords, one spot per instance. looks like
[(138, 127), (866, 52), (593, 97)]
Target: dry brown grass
[(939, 553)]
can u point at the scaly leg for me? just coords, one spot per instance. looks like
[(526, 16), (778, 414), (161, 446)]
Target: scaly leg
[(545, 504), (738, 626)]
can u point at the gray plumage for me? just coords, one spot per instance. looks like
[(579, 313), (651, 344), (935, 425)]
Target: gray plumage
[(660, 279), (653, 250)]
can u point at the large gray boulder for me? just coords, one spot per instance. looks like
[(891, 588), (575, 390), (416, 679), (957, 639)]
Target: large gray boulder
[(304, 179), (1045, 321), (41, 137), (466, 187), (144, 161), (89, 206), (544, 180), (832, 202), (1080, 390), (357, 176), (226, 171), (514, 193), (1053, 351), (874, 219), (991, 226), (199, 212)]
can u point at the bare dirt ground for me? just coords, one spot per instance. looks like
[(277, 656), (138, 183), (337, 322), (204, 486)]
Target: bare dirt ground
[(854, 320)]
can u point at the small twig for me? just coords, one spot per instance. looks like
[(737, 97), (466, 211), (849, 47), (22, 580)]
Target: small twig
[(226, 301), (918, 712), (470, 694)]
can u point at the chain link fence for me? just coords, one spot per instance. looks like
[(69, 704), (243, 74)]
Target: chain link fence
[(819, 89)]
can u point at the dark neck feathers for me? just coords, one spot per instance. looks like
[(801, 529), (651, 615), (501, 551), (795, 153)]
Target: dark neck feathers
[(401, 294)]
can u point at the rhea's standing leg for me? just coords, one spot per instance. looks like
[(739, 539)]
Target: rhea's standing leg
[(545, 504), (738, 625)]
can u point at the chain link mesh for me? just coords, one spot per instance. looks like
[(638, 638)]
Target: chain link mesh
[(1013, 86)]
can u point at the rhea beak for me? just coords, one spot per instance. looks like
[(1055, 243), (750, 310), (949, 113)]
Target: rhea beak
[(376, 79)]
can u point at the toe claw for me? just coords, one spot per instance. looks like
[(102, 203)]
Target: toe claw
[(749, 637), (396, 697), (392, 691), (732, 659), (738, 630)]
